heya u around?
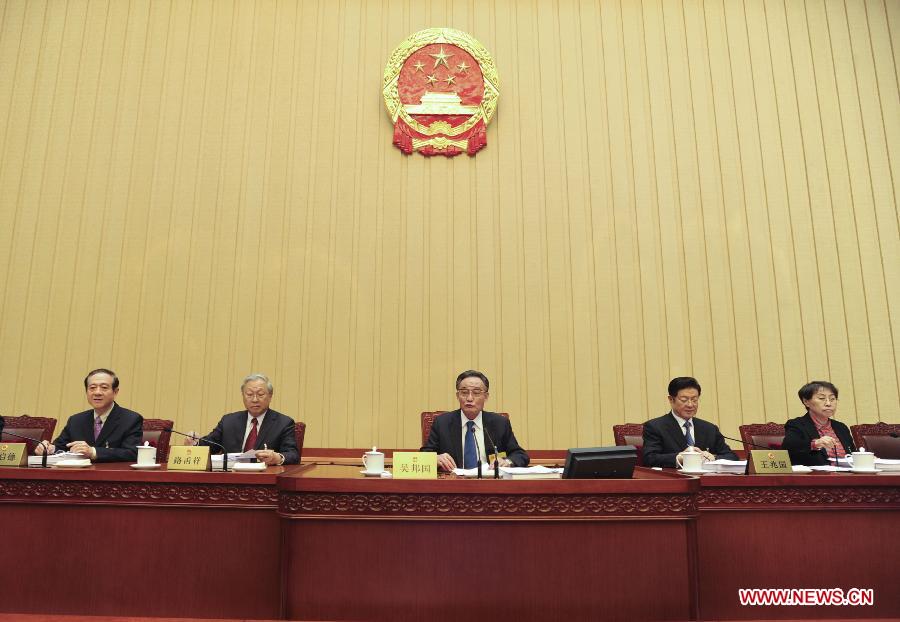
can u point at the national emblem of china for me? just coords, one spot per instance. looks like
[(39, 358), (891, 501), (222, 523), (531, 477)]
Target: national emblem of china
[(441, 89)]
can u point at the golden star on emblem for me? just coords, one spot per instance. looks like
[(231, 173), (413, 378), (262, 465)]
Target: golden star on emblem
[(462, 67), (441, 58), (431, 80), (449, 80), (420, 66)]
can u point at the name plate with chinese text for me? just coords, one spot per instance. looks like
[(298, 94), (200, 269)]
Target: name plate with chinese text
[(13, 454), (415, 465), (183, 458), (769, 462)]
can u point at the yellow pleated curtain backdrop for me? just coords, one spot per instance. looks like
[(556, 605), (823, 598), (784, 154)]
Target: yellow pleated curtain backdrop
[(191, 191)]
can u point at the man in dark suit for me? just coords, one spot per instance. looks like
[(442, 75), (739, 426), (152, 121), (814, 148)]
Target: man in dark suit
[(105, 433), (462, 436), (269, 432), (814, 437), (680, 431)]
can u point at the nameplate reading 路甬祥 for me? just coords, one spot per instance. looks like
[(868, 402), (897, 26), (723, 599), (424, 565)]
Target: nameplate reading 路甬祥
[(188, 458)]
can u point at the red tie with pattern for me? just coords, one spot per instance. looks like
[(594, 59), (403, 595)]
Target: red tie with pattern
[(250, 443)]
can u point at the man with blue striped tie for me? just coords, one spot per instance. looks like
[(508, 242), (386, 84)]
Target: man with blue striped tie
[(462, 437), (679, 430)]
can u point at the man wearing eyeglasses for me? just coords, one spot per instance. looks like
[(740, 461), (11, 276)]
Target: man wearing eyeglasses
[(462, 437), (269, 432), (680, 431)]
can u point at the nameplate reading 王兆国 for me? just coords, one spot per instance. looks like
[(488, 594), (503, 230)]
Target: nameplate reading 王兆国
[(415, 465), (769, 462), (13, 454), (188, 458)]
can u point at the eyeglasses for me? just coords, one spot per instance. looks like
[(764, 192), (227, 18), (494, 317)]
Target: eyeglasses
[(826, 398), (474, 393), (688, 400), (259, 396)]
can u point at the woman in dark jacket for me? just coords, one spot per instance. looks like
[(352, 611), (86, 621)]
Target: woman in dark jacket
[(815, 437)]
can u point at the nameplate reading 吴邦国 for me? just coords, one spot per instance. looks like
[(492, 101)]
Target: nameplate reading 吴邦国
[(415, 465), (13, 454), (769, 462), (188, 459)]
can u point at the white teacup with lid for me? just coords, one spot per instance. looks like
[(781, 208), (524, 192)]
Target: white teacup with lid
[(863, 460), (146, 454), (373, 461)]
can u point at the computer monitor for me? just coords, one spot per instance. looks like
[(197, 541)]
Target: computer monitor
[(601, 462)]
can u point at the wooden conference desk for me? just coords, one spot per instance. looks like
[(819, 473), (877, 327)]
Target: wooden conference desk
[(322, 542), (452, 549), (110, 540)]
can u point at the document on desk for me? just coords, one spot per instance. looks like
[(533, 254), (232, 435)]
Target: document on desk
[(532, 472), (886, 464), (721, 465), (232, 458), (831, 469), (36, 461)]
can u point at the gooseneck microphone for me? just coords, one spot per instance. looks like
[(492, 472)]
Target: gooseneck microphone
[(478, 454), (205, 440), (496, 454), (35, 440)]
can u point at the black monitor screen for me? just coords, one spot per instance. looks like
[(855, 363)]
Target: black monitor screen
[(601, 462)]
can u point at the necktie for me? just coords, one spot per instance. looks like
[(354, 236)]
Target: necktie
[(98, 425), (250, 443), (687, 434), (470, 456)]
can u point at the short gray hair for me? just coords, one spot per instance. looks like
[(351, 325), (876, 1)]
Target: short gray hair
[(254, 377)]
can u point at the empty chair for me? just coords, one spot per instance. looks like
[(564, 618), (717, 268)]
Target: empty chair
[(631, 434), (299, 434), (156, 432), (764, 435), (35, 427), (883, 439)]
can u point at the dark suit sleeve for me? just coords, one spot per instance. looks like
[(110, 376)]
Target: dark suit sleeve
[(287, 442), (433, 442), (797, 441), (654, 454), (720, 448), (845, 436), (215, 436), (64, 438), (508, 443), (126, 440)]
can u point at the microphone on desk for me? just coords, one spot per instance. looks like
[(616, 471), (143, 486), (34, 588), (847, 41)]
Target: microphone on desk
[(496, 454), (203, 438), (478, 454), (36, 440), (746, 468)]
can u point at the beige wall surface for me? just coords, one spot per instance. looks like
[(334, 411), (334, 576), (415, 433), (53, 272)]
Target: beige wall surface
[(193, 190)]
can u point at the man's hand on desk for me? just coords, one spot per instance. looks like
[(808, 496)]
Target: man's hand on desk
[(446, 462), (45, 446), (271, 458), (80, 447)]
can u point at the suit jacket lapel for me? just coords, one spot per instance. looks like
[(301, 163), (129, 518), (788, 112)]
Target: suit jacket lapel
[(112, 420), (264, 430), (456, 449), (676, 434), (238, 431)]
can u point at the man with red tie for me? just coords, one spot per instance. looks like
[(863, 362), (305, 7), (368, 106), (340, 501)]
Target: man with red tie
[(269, 432), (105, 433)]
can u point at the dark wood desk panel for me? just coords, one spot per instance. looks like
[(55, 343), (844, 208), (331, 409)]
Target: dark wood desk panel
[(110, 540), (766, 531), (565, 549)]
